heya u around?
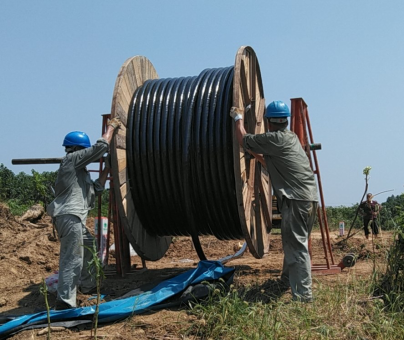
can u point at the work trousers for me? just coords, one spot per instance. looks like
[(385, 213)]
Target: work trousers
[(297, 220), (374, 226), (74, 258)]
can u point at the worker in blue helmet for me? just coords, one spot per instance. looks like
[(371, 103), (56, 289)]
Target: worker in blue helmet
[(74, 197), (294, 185)]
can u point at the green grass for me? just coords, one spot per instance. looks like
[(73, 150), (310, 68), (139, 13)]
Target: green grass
[(16, 208), (342, 311)]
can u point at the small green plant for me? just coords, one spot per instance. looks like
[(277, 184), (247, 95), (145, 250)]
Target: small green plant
[(96, 265), (44, 291), (17, 208), (366, 172), (390, 285)]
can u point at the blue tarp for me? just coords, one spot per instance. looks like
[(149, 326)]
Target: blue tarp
[(122, 308)]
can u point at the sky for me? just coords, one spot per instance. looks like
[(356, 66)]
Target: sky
[(59, 61)]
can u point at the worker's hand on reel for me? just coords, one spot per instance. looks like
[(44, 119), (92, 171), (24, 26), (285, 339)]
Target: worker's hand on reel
[(236, 113), (115, 122)]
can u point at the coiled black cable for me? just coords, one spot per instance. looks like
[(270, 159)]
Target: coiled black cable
[(179, 150)]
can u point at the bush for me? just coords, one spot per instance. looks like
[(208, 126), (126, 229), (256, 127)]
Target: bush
[(340, 213), (17, 208), (391, 211), (390, 285)]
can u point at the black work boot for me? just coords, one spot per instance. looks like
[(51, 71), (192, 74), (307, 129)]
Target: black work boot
[(88, 291)]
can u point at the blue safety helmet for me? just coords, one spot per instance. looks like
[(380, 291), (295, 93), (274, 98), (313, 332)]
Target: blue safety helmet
[(277, 109), (76, 138)]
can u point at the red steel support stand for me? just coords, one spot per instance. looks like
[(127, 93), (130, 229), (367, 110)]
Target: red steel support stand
[(122, 251), (301, 126)]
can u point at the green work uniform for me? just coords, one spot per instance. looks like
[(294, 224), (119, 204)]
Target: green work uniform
[(294, 185), (75, 195)]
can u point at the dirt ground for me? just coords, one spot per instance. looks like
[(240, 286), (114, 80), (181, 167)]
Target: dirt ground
[(30, 252)]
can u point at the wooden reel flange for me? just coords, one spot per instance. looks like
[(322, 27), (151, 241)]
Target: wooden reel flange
[(134, 72), (252, 183)]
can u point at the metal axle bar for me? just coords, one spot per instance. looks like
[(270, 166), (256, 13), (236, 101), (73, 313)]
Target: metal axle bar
[(42, 161)]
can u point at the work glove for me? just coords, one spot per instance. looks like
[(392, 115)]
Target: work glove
[(236, 114), (115, 122)]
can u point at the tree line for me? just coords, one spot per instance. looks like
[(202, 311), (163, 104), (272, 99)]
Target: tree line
[(391, 212), (20, 191)]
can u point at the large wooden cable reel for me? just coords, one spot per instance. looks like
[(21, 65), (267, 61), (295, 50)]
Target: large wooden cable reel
[(252, 185)]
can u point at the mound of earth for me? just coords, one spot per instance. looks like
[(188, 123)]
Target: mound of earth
[(30, 253)]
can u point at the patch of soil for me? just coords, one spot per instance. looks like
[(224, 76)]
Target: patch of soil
[(30, 253)]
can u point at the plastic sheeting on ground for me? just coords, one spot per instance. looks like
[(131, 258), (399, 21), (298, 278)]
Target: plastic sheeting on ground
[(122, 308)]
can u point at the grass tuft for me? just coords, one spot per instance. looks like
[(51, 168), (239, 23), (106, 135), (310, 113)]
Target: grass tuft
[(340, 311)]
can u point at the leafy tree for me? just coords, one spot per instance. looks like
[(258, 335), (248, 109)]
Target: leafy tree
[(23, 190), (391, 210), (42, 184), (6, 182)]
